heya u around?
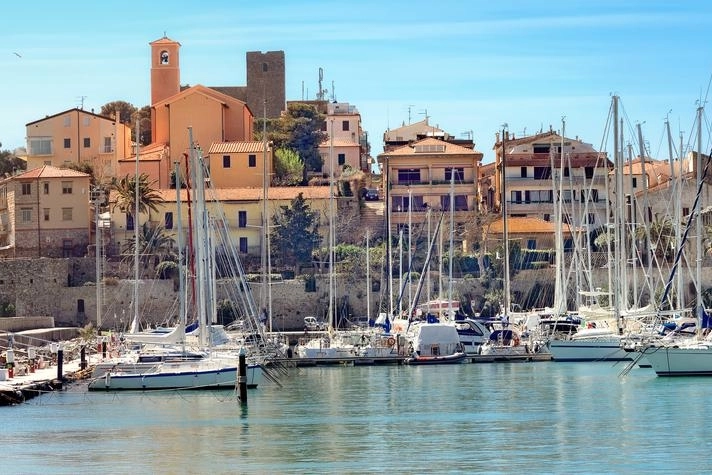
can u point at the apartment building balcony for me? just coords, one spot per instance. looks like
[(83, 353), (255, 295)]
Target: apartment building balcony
[(406, 183), (547, 182)]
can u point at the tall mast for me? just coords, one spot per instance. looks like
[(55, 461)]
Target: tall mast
[(505, 230), (698, 220), (134, 323)]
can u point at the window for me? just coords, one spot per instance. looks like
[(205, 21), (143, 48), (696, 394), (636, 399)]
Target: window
[(460, 202), (685, 211), (547, 217), (541, 148), (542, 173), (591, 218), (40, 146), (66, 187), (66, 214), (26, 215), (86, 121), (87, 142), (516, 197), (107, 145), (67, 121), (539, 196), (129, 222), (67, 143), (345, 125), (46, 214), (163, 59), (524, 172), (67, 245), (27, 188), (566, 196), (243, 245), (531, 244), (589, 172), (407, 176), (635, 183), (45, 186), (242, 219), (252, 161), (168, 220), (342, 158), (226, 161), (459, 174), (594, 196), (567, 171)]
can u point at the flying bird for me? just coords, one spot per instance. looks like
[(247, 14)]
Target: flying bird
[(17, 54)]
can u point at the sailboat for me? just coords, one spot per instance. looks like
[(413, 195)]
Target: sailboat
[(176, 367), (693, 356), (597, 340)]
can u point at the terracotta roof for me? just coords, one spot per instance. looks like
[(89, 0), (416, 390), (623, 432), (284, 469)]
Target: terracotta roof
[(48, 171), (410, 131), (165, 39), (236, 147), (81, 111), (431, 147), (152, 152), (249, 194), (202, 90)]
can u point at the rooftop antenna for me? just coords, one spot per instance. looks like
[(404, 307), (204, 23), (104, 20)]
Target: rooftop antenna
[(410, 106), (468, 134), (425, 113), (81, 101), (333, 94), (321, 91)]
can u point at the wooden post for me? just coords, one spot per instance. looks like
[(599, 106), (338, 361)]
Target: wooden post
[(242, 377), (60, 361), (83, 358)]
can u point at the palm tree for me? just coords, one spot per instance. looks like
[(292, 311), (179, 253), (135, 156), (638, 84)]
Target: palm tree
[(125, 188), (152, 243), (662, 237)]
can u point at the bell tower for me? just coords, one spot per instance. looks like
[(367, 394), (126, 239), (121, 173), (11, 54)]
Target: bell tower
[(165, 69)]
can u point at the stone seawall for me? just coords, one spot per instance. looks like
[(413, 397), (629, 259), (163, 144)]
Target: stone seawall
[(64, 289)]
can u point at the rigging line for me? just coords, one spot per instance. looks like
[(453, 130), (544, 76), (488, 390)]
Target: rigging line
[(694, 214)]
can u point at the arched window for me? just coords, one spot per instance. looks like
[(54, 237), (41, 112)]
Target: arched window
[(164, 57)]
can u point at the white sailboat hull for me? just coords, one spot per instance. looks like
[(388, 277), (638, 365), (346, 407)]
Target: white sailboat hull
[(208, 374), (594, 349), (676, 361)]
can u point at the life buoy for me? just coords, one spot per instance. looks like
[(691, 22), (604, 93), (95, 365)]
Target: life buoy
[(391, 341)]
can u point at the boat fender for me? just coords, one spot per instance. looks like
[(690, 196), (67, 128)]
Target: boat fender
[(391, 341)]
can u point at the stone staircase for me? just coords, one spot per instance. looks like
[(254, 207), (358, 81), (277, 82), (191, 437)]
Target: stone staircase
[(373, 217)]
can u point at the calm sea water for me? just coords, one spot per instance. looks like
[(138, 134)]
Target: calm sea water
[(542, 417)]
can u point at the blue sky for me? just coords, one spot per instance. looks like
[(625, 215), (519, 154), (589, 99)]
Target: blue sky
[(471, 65)]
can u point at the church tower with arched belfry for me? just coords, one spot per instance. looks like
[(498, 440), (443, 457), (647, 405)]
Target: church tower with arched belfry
[(165, 69)]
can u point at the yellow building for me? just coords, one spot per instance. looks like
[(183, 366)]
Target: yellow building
[(78, 136), (242, 209), (242, 164), (45, 212), (424, 175)]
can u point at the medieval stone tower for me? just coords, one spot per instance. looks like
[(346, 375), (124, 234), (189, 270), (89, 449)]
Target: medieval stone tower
[(265, 82)]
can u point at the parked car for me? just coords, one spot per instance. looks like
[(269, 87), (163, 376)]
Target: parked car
[(371, 194), (312, 324)]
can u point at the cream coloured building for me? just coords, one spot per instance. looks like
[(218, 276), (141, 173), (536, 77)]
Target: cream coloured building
[(78, 136), (45, 212)]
